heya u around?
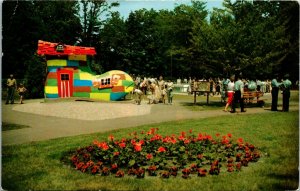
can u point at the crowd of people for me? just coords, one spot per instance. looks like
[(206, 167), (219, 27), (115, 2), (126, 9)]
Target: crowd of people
[(155, 90), (234, 87), (230, 89)]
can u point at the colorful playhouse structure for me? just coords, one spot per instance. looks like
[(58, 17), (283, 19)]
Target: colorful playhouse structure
[(69, 74)]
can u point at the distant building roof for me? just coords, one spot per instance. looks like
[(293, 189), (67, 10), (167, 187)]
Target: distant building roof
[(49, 48)]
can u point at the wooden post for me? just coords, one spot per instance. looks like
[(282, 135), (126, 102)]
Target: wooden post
[(194, 97), (207, 98)]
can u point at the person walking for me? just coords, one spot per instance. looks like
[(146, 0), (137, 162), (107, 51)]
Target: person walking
[(275, 89), (230, 93), (225, 82), (11, 87), (286, 87), (169, 91), (161, 86), (238, 94)]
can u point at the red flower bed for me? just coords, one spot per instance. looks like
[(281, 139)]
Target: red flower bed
[(186, 154)]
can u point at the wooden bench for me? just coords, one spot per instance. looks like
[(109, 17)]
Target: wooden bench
[(249, 98)]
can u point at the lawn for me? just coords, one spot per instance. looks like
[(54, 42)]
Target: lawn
[(37, 166)]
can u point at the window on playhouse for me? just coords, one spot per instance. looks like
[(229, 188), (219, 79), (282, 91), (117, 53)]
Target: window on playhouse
[(105, 81), (64, 77)]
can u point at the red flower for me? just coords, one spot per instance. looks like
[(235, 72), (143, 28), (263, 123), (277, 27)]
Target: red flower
[(116, 153), (230, 169), (173, 140), (111, 137), (199, 156), (183, 134), (122, 145), (165, 174), (208, 137), (161, 149), (240, 140), (202, 172), (229, 135), (191, 131), (225, 141), (218, 134), (120, 174), (79, 165), (173, 169), (186, 171), (238, 166), (152, 168), (138, 147), (142, 142), (187, 141), (105, 171), (149, 156), (133, 142), (105, 146), (114, 166), (95, 169), (181, 138)]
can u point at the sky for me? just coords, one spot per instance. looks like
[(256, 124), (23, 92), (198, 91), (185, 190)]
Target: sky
[(126, 6)]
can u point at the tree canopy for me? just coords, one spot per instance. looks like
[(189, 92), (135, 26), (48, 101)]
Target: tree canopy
[(255, 38)]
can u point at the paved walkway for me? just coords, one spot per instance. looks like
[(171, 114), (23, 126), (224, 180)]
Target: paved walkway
[(44, 127)]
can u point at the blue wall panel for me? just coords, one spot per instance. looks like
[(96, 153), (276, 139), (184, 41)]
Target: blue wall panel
[(83, 82), (117, 96)]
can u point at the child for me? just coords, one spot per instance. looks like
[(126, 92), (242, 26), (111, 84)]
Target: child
[(139, 94), (171, 96), (21, 91)]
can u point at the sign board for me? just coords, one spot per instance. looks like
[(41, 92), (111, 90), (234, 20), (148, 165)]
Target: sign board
[(201, 86)]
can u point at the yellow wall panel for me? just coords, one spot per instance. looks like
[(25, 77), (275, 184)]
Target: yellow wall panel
[(57, 63), (100, 96), (77, 57), (86, 76), (128, 89), (51, 89)]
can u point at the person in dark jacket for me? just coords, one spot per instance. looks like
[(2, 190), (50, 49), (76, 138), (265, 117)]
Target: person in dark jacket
[(275, 89)]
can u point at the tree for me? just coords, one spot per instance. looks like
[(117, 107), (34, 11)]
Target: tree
[(35, 76), (112, 43), (91, 19)]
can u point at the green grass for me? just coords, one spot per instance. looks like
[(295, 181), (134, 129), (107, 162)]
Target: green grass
[(11, 126), (37, 166)]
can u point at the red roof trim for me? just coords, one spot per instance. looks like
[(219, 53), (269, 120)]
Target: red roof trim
[(49, 48)]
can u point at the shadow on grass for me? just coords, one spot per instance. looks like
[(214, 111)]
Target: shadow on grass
[(212, 105), (291, 177), (12, 126)]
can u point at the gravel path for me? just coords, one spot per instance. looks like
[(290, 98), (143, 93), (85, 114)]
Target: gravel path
[(84, 110)]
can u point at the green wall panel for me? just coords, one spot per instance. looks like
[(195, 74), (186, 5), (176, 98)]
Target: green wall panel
[(51, 82), (76, 75), (127, 83), (81, 94)]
